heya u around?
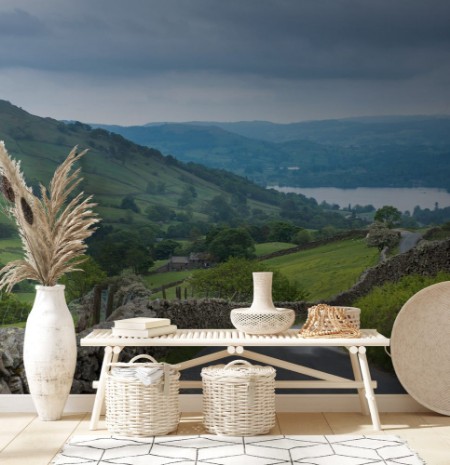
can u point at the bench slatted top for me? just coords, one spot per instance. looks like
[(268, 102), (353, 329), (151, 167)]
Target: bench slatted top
[(230, 337)]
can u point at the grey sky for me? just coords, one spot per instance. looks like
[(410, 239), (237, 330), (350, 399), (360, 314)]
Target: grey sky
[(137, 61)]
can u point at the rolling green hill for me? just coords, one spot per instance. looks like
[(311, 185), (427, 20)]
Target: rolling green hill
[(133, 184), (348, 153), (210, 146), (115, 168)]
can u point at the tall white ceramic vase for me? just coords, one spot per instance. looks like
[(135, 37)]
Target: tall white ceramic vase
[(50, 351), (262, 291)]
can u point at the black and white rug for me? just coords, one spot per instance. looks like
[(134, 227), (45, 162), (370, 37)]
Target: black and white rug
[(224, 450)]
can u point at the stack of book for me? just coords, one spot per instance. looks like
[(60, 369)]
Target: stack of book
[(143, 327)]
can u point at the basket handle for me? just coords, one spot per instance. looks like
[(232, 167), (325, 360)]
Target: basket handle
[(148, 357), (237, 362)]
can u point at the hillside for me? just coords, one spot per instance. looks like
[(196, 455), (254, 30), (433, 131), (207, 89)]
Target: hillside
[(211, 146), (359, 152), (133, 184)]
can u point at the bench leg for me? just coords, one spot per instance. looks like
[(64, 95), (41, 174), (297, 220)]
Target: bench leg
[(111, 356), (353, 351), (370, 395)]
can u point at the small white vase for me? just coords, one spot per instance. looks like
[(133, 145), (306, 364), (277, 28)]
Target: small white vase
[(50, 351)]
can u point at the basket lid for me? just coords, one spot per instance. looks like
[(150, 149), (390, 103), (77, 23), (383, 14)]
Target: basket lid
[(237, 369)]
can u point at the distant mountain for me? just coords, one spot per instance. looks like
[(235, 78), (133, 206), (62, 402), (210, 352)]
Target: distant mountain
[(433, 130), (357, 152)]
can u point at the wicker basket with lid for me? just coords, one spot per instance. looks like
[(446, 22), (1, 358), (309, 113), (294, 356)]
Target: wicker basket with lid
[(239, 398), (137, 409)]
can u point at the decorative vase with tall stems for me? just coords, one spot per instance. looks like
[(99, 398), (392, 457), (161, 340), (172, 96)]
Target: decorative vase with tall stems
[(50, 351), (53, 237)]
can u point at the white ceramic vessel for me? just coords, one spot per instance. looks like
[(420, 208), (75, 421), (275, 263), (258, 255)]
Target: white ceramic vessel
[(50, 351), (262, 317)]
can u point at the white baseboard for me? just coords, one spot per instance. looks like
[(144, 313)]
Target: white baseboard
[(79, 403)]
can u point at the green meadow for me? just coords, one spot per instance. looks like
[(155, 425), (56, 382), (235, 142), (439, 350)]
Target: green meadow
[(322, 271), (271, 247), (326, 270)]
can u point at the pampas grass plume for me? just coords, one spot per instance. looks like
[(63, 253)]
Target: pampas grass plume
[(53, 234)]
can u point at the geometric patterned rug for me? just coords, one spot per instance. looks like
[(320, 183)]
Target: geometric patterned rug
[(225, 450)]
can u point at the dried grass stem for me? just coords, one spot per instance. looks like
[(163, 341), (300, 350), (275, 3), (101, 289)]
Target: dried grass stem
[(53, 234)]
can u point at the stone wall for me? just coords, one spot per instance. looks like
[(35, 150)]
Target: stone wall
[(12, 373)]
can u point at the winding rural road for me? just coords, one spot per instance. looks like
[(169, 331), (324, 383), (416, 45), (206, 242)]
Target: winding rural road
[(408, 240)]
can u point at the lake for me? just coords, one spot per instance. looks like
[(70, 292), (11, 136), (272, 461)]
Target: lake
[(401, 198)]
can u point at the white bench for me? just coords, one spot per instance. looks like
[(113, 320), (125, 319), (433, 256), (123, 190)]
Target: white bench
[(236, 343)]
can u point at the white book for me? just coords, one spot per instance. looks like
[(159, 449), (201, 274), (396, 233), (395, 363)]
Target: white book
[(150, 332), (141, 323)]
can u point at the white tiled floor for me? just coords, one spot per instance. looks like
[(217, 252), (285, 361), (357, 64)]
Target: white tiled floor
[(25, 440)]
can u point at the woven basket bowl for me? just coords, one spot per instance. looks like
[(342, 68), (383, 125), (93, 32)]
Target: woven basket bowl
[(262, 322), (352, 315)]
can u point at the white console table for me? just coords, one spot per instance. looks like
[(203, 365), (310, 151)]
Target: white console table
[(235, 342)]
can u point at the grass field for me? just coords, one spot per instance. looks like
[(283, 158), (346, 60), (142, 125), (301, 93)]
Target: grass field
[(327, 270), (161, 279), (271, 247), (10, 249), (323, 271)]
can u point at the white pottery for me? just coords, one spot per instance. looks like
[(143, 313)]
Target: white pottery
[(50, 351), (262, 291), (262, 317)]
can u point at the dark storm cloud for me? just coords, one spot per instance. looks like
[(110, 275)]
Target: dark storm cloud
[(296, 39), (19, 23), (135, 61)]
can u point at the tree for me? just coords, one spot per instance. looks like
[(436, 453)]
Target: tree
[(231, 242), (129, 203), (164, 249), (148, 234), (12, 310), (289, 209), (79, 284), (187, 196), (121, 250), (159, 213), (233, 280), (281, 231), (381, 236), (302, 237), (219, 210), (388, 215)]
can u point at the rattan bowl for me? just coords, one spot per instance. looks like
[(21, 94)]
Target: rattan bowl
[(252, 321), (352, 315)]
